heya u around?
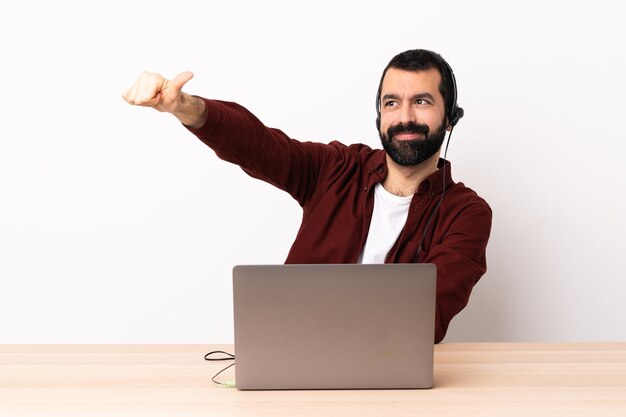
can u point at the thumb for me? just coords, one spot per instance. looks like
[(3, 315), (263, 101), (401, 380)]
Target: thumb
[(181, 79)]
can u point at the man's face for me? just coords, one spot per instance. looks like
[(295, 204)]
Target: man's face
[(412, 115)]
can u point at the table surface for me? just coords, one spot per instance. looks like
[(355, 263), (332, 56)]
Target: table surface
[(470, 379)]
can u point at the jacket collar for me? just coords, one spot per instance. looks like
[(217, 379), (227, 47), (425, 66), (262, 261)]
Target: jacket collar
[(432, 185)]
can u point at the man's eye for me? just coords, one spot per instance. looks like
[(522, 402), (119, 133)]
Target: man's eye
[(420, 101), (390, 103)]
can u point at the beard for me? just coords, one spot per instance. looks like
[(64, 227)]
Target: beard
[(412, 152)]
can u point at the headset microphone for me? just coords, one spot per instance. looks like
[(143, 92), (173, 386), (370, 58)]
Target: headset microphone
[(454, 114)]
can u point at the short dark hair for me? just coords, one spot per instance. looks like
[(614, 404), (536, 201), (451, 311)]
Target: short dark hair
[(422, 60)]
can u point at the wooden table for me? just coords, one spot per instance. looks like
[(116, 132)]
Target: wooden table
[(492, 379)]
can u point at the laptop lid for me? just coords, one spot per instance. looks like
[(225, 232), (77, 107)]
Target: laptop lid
[(345, 326)]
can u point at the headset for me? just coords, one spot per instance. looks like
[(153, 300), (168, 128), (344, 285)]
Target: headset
[(453, 113)]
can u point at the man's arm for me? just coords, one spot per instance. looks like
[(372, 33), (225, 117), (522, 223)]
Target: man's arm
[(461, 261), (235, 134), (152, 90)]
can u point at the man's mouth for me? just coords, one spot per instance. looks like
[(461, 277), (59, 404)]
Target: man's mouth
[(408, 136)]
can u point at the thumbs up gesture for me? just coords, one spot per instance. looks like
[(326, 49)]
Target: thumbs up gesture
[(153, 90)]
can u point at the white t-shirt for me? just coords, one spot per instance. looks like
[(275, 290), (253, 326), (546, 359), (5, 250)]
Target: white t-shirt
[(388, 219)]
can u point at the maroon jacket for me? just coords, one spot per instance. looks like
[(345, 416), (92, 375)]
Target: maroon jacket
[(334, 184)]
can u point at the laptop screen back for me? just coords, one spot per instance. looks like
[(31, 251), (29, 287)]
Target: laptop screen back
[(334, 326)]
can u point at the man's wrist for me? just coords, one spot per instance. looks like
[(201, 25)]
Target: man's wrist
[(193, 111)]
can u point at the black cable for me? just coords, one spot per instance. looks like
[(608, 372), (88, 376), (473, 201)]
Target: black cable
[(227, 357)]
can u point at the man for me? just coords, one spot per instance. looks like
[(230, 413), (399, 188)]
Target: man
[(360, 204)]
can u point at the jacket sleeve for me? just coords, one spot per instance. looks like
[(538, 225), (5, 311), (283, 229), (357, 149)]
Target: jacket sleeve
[(237, 136), (461, 260)]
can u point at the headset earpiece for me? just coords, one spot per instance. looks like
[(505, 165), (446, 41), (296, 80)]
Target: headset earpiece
[(456, 116)]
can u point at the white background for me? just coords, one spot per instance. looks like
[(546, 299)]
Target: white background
[(117, 225)]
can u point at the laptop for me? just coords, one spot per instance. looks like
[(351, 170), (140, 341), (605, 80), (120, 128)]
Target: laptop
[(347, 326)]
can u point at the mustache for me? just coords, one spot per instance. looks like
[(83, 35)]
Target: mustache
[(410, 127)]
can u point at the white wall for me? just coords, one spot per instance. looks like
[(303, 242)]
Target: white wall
[(117, 225)]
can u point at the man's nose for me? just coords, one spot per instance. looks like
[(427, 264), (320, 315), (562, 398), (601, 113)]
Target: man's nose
[(407, 115)]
